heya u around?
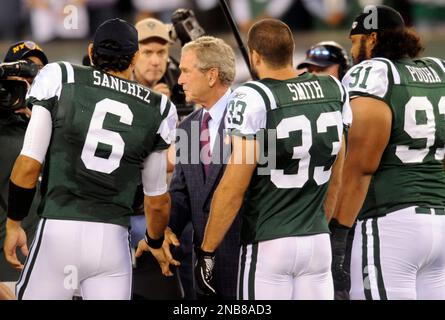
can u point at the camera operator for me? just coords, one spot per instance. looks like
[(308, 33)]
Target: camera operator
[(23, 60)]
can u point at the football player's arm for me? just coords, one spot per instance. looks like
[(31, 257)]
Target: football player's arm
[(24, 177), (229, 194), (335, 182), (367, 139), (156, 207)]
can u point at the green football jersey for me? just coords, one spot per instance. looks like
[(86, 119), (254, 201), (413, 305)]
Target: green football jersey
[(411, 170), (103, 128), (302, 122)]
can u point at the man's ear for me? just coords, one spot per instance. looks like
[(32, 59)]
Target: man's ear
[(372, 38), (90, 53), (212, 76), (255, 58)]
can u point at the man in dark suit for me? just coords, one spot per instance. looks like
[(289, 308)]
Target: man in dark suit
[(207, 71)]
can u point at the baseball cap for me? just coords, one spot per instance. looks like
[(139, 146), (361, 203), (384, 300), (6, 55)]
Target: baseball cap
[(119, 31), (324, 54), (24, 49), (153, 28), (387, 19)]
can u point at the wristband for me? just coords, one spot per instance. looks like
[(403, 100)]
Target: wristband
[(19, 201), (152, 243)]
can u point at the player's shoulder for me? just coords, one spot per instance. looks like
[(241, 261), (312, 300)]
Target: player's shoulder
[(255, 94), (371, 77), (435, 63), (67, 72), (51, 69), (372, 66)]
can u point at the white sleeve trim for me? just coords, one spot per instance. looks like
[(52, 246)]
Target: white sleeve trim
[(167, 128), (69, 72), (340, 86), (395, 72), (164, 100), (48, 83), (346, 108), (438, 62), (273, 103), (154, 174), (38, 134)]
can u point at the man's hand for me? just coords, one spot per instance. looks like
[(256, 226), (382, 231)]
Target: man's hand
[(205, 262), (162, 255), (170, 239), (158, 254), (342, 280), (162, 88), (15, 237)]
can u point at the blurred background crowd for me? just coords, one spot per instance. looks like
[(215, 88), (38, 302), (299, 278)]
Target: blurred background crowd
[(64, 27)]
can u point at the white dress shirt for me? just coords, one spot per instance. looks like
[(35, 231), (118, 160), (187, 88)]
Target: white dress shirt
[(217, 113)]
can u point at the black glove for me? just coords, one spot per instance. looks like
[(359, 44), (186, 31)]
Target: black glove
[(342, 279), (205, 262)]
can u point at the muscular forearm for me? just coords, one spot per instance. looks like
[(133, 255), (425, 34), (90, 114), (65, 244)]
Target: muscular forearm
[(26, 172), (157, 212), (351, 197), (229, 195), (334, 183), (225, 206)]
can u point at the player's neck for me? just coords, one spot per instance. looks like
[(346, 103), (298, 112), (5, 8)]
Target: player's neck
[(285, 73), (126, 74)]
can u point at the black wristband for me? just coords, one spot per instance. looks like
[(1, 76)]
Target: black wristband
[(202, 254), (152, 243), (19, 201), (339, 235)]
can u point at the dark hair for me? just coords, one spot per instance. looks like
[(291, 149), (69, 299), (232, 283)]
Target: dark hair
[(397, 44), (111, 62), (273, 40)]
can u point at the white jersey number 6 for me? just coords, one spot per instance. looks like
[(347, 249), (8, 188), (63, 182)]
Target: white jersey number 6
[(97, 134)]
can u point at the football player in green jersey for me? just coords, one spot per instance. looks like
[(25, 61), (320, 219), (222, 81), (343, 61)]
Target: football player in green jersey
[(98, 134), (393, 178), (286, 252)]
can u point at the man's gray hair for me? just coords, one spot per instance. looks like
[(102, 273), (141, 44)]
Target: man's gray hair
[(213, 52)]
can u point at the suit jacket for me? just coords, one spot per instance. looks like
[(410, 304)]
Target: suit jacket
[(191, 196)]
